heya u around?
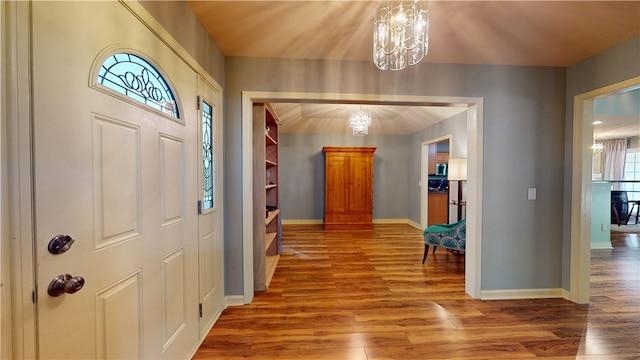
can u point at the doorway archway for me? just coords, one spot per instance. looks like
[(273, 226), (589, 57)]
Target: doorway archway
[(474, 105), (580, 257)]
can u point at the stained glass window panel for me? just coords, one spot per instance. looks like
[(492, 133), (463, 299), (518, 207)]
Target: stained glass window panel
[(136, 78), (207, 156)]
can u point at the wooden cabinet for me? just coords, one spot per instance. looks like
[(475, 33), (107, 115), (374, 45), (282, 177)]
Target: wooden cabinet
[(436, 157), (267, 232), (348, 187), (432, 158), (442, 158), (438, 208)]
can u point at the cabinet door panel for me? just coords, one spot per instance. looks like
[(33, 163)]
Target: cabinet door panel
[(337, 178), (360, 181)]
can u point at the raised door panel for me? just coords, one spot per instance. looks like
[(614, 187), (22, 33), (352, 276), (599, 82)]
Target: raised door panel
[(119, 313), (360, 184), (337, 178)]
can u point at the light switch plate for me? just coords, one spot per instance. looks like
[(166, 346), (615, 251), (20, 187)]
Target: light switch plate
[(531, 194)]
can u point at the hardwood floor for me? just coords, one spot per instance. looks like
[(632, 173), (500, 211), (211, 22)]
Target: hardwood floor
[(366, 295)]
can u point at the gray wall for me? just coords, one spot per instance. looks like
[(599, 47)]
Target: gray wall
[(301, 175), (528, 116), (396, 169), (609, 67), (523, 142), (178, 19)]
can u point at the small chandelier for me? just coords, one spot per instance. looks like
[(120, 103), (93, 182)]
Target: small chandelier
[(360, 122), (400, 33)]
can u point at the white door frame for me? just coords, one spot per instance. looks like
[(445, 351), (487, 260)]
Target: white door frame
[(473, 268), (16, 120), (581, 186), (424, 176), (19, 175)]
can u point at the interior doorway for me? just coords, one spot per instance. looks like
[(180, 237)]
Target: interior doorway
[(580, 254), (474, 126), (433, 178)]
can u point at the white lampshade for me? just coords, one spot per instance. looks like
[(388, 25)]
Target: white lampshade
[(457, 169)]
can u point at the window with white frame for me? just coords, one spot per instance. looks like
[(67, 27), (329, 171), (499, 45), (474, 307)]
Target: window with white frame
[(632, 172)]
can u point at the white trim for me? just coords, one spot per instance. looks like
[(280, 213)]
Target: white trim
[(247, 197), (6, 337), (521, 294), (473, 259), (23, 319), (601, 246), (234, 300), (580, 257), (395, 221), (473, 268), (414, 224)]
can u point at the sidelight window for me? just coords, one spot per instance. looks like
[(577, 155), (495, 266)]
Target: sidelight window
[(207, 156)]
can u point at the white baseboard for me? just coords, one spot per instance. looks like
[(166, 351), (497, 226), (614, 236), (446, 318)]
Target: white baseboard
[(414, 224), (234, 300), (398, 221), (601, 246), (521, 294)]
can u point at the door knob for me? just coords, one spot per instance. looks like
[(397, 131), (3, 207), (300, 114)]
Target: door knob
[(65, 283)]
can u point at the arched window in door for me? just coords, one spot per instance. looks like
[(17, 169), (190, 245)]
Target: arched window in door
[(134, 77)]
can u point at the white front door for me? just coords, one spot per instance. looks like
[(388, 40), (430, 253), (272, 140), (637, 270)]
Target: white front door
[(121, 180)]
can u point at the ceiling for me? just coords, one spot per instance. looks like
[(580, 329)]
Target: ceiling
[(538, 33)]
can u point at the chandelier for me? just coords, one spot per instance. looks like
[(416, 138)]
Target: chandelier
[(400, 33), (360, 122)]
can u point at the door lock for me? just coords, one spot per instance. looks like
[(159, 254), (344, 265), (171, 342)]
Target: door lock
[(60, 244), (65, 283)]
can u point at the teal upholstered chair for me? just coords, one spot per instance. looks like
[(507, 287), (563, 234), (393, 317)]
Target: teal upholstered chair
[(449, 236)]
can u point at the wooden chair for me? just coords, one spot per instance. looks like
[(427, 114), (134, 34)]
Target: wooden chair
[(619, 207)]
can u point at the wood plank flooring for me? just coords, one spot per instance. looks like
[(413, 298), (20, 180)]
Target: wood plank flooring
[(366, 295)]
